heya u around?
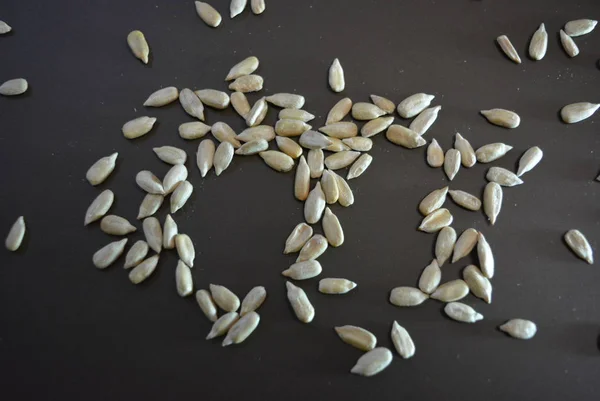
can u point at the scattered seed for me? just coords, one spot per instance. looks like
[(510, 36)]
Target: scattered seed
[(162, 97), (313, 248), (372, 362), (502, 176), (358, 143), (150, 205), (245, 67), (247, 83), (376, 126), (465, 244), (138, 45), (175, 176), (297, 238), (539, 43), (286, 100), (223, 157), (359, 166), (451, 291), (240, 104), (153, 233), (183, 280), (462, 313), (171, 154), (16, 234), (258, 6), (366, 111), (332, 229), (425, 120), (206, 304), (223, 133), (242, 329), (257, 113), (502, 118), (278, 161), (384, 104), (492, 201), (191, 103), (222, 325), (479, 285), (14, 87), (302, 180), (430, 278), (303, 270), (485, 256), (529, 160), (340, 160), (224, 298), (436, 221), (208, 14), (403, 136), (465, 199), (291, 127), (315, 160), (99, 206), (508, 48), (405, 347), (289, 147), (346, 196), (236, 7), (330, 187), (4, 28), (213, 98), (302, 307), (193, 130), (444, 245), (136, 254), (295, 114), (467, 154), (252, 147), (142, 271), (314, 140), (491, 152), (433, 201), (205, 156), (414, 104), (357, 337), (336, 286), (100, 170), (576, 112), (407, 296), (579, 245), (568, 44), (116, 225), (452, 162), (339, 111), (103, 257), (435, 154), (337, 145), (265, 132), (138, 127), (519, 328), (253, 300), (340, 130), (580, 27), (170, 231), (186, 251), (336, 76)]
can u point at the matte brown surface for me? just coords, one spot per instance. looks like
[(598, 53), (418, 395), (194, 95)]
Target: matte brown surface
[(69, 331)]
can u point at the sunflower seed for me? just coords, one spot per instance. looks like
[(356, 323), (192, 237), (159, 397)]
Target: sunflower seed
[(492, 201), (403, 343), (339, 111), (289, 147), (580, 27), (142, 271), (191, 103), (213, 98), (436, 221), (286, 100), (435, 154), (433, 201), (372, 362), (103, 257), (242, 329), (467, 154), (138, 45), (150, 205), (170, 231), (340, 160), (247, 83), (208, 14), (384, 104), (529, 160), (479, 285), (138, 127), (223, 157), (116, 225), (366, 111), (206, 304), (465, 199), (330, 187), (258, 6), (240, 104), (252, 147), (508, 48), (99, 206), (297, 238), (568, 44), (314, 140), (224, 298), (407, 296), (302, 307), (414, 104), (136, 254), (337, 145), (340, 130), (425, 120), (4, 28), (170, 154), (491, 152), (332, 229), (302, 180), (539, 43), (403, 136), (175, 176), (257, 113), (16, 234), (183, 280), (303, 270), (295, 114), (265, 132), (14, 87), (245, 67), (376, 126), (358, 143), (153, 233), (236, 7), (185, 250), (100, 170), (336, 76), (336, 286), (485, 256), (430, 278), (502, 118), (465, 244), (346, 196), (357, 337), (359, 166), (576, 112), (579, 245), (222, 325), (223, 133), (462, 313), (503, 177), (313, 248), (162, 97), (519, 328), (193, 130), (315, 160), (205, 156), (452, 162), (444, 245), (451, 291), (278, 161), (291, 127), (253, 300)]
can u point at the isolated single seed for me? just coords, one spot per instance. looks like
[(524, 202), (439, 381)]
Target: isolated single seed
[(223, 157), (313, 248), (451, 291), (336, 286), (136, 254), (213, 98), (185, 249), (340, 130), (170, 154), (462, 313), (407, 296), (253, 300), (366, 111), (100, 170), (191, 103), (502, 118), (252, 147), (433, 201), (175, 176), (346, 196), (436, 221), (425, 120), (332, 229), (206, 304), (236, 7), (452, 162), (240, 104), (359, 166), (289, 147), (224, 298), (430, 277), (444, 245), (297, 238), (138, 45), (384, 104), (502, 176), (529, 160), (314, 205), (568, 44), (116, 225), (170, 231), (208, 14), (479, 285), (508, 48), (492, 201), (358, 143), (303, 270), (467, 154), (405, 137), (242, 329), (16, 234), (153, 233), (576, 112), (162, 97), (485, 256), (579, 245), (247, 83), (99, 206), (222, 325), (193, 130), (357, 337), (286, 100), (315, 160), (4, 28), (339, 111), (314, 140), (257, 113), (372, 362), (142, 271), (340, 160), (435, 154), (302, 180), (245, 67), (138, 127), (103, 257), (183, 280), (295, 114), (291, 127), (465, 244), (258, 6), (337, 82), (519, 328), (539, 43), (414, 104), (330, 187), (150, 205), (205, 156), (405, 347), (580, 27), (491, 152), (14, 87), (465, 199), (302, 307), (278, 161)]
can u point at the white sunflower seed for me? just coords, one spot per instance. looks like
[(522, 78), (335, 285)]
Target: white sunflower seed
[(436, 221), (359, 166), (502, 118), (193, 130), (4, 28), (302, 180), (315, 161), (16, 234), (99, 206), (205, 156), (14, 87), (337, 82), (162, 97), (142, 271), (138, 45), (479, 285), (314, 140), (492, 201), (340, 130), (332, 229), (539, 43), (153, 233), (405, 347), (580, 27), (576, 112), (297, 238), (465, 244), (206, 304), (467, 154), (175, 176), (485, 256), (579, 245), (191, 103), (302, 307), (414, 104), (171, 154), (170, 231), (314, 247), (340, 160), (508, 48), (252, 147), (336, 145), (286, 100), (314, 205), (491, 152), (291, 127), (265, 132), (224, 298), (346, 196), (136, 254), (403, 136), (303, 270), (462, 313), (185, 250), (183, 280), (257, 113), (366, 111), (242, 329), (529, 160), (519, 328), (236, 7), (278, 161), (222, 325), (568, 44), (330, 187), (247, 83), (100, 170), (444, 245), (239, 101), (451, 291), (295, 114), (213, 98), (223, 157), (103, 257), (339, 111), (150, 205), (465, 199), (452, 161), (289, 147), (384, 104), (358, 143), (245, 67), (430, 277), (258, 6), (138, 127), (223, 133), (433, 201), (336, 286), (407, 296), (425, 120), (435, 154), (253, 300), (208, 14), (116, 225), (357, 337), (502, 176), (372, 362)]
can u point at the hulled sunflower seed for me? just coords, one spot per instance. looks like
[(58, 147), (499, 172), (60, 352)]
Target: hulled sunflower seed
[(539, 43), (278, 161), (170, 154), (185, 250), (451, 291), (257, 113), (291, 127), (224, 298), (213, 98), (303, 270), (183, 280), (405, 347), (366, 111), (297, 238), (295, 114), (465, 244), (142, 271), (205, 156), (4, 28), (136, 254), (222, 325), (175, 176), (14, 87), (346, 196), (403, 136), (247, 83), (340, 160), (208, 14), (358, 143), (330, 187), (162, 97), (435, 154), (485, 256), (191, 103), (239, 101), (336, 145), (193, 130), (502, 118), (289, 147), (580, 27), (100, 170), (170, 231), (436, 221), (258, 6), (465, 199), (253, 300), (138, 45), (357, 337), (519, 328), (479, 285), (384, 104), (223, 157), (265, 132), (444, 245), (223, 133), (433, 201), (286, 100), (206, 304), (359, 166), (576, 112), (529, 160), (314, 140), (462, 313), (242, 329), (375, 126), (340, 130), (492, 201), (245, 67), (16, 234), (116, 225), (372, 362), (332, 229), (508, 48), (103, 257), (315, 160), (302, 180), (467, 154), (302, 307), (414, 104), (339, 111), (407, 296), (236, 7), (314, 247), (150, 205), (425, 120), (568, 44), (138, 127), (337, 82), (491, 152), (579, 245), (452, 162), (252, 147), (153, 233), (336, 286), (503, 177), (430, 277), (99, 206)]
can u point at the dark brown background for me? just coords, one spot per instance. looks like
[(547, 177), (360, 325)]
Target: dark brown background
[(69, 331)]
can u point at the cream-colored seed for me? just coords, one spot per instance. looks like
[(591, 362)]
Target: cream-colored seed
[(222, 325), (359, 166), (247, 83), (302, 180), (357, 337), (341, 160), (171, 154), (568, 44), (183, 279), (103, 257), (339, 111), (142, 271), (14, 87), (223, 157), (213, 98), (257, 113), (295, 114), (191, 103), (436, 221), (430, 277), (208, 14), (100, 170), (451, 291), (289, 147), (99, 206), (138, 45), (508, 48), (444, 244), (519, 328), (358, 143), (314, 205), (425, 120), (376, 126), (414, 104), (162, 97), (242, 329), (491, 152), (170, 231), (330, 187), (407, 296), (314, 140), (337, 82), (224, 298), (245, 67), (336, 286), (485, 256), (465, 199), (175, 176), (402, 341), (313, 248), (372, 362), (116, 225), (258, 6), (435, 154), (492, 201), (332, 229), (240, 103), (467, 154), (136, 254), (404, 137), (253, 300), (180, 196), (185, 249), (286, 100), (297, 238), (336, 145), (236, 7), (462, 313), (193, 130), (529, 160), (465, 244), (366, 111), (580, 27), (580, 246), (433, 201), (4, 28), (340, 130), (291, 127), (252, 147), (265, 132), (278, 161), (303, 270), (576, 112), (205, 156), (479, 285), (315, 161), (153, 233), (346, 196), (502, 176), (384, 104), (206, 304), (150, 205), (302, 307), (16, 234), (539, 43), (502, 118)]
